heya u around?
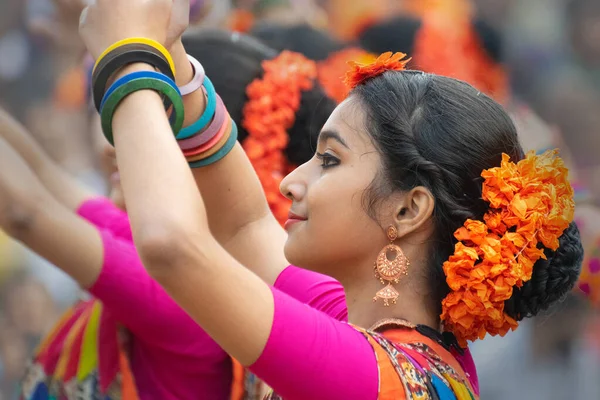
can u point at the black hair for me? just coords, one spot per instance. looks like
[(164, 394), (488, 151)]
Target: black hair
[(552, 279), (441, 133), (396, 34), (313, 43), (233, 61), (399, 33)]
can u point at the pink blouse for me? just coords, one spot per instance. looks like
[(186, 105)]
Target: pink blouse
[(312, 353), (172, 357)]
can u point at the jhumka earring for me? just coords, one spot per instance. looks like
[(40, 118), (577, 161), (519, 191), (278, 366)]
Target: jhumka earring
[(390, 266)]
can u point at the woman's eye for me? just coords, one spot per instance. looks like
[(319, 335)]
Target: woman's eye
[(327, 160)]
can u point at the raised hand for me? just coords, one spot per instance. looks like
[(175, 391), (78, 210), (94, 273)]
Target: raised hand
[(105, 22), (180, 19)]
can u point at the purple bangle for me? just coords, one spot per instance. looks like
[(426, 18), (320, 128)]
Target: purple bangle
[(204, 136), (197, 80)]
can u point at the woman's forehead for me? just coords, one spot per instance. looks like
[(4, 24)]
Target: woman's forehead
[(348, 121)]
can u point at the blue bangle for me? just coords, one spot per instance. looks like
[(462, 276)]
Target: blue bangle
[(149, 83), (223, 151), (135, 75), (206, 117), (142, 74)]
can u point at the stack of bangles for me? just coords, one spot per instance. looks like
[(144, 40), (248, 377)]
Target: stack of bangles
[(207, 140)]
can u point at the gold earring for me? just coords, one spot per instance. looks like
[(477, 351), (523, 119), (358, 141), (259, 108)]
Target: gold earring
[(390, 270)]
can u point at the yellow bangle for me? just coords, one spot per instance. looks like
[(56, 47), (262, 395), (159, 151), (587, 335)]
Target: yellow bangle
[(140, 40)]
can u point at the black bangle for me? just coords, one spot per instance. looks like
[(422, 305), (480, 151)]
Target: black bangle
[(121, 57)]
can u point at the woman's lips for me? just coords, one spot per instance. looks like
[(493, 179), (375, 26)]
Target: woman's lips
[(293, 219)]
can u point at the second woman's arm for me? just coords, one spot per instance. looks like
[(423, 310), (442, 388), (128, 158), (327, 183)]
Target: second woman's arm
[(238, 213)]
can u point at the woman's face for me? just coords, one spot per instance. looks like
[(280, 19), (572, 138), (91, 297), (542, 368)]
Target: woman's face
[(328, 226)]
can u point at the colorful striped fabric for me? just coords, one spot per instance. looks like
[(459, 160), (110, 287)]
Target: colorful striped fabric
[(81, 358)]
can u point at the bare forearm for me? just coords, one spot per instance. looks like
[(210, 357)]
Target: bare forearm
[(235, 203), (30, 214), (147, 153), (63, 186), (61, 237)]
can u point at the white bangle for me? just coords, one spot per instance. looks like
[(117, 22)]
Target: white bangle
[(197, 80)]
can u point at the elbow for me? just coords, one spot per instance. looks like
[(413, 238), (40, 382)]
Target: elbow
[(18, 219), (166, 251)]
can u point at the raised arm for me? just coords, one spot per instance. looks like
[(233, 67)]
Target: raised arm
[(143, 137), (106, 265), (64, 187), (30, 214), (170, 227), (237, 210)]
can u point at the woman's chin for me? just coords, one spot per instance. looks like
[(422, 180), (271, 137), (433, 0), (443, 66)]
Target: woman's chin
[(297, 255)]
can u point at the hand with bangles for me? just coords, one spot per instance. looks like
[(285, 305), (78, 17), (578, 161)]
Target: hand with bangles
[(104, 22)]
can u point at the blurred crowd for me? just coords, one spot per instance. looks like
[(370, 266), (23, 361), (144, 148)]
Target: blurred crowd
[(550, 49)]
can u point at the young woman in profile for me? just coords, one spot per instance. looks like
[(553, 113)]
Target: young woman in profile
[(419, 197)]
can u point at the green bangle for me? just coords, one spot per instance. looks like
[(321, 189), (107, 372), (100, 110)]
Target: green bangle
[(223, 151), (112, 102)]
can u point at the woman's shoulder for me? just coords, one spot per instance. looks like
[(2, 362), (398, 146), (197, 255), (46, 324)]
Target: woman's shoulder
[(412, 360)]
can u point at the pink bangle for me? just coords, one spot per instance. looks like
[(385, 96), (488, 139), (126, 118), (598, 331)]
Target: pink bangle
[(197, 80), (215, 139), (210, 131)]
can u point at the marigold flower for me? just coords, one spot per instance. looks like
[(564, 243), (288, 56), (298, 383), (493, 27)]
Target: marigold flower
[(269, 113), (531, 203), (389, 61)]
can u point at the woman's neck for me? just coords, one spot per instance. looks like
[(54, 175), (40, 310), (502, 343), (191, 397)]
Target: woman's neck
[(411, 304)]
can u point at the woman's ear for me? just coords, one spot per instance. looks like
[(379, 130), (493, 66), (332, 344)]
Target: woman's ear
[(413, 210)]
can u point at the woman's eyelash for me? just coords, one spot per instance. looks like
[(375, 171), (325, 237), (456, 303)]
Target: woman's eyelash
[(327, 160)]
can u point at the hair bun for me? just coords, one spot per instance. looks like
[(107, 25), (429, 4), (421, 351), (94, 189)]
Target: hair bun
[(552, 279)]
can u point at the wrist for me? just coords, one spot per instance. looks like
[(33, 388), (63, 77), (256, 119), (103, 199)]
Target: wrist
[(185, 72), (128, 69)]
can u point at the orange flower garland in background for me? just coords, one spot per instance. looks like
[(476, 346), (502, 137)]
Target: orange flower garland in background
[(347, 19), (331, 71), (389, 61), (447, 44), (241, 20), (531, 204), (269, 113)]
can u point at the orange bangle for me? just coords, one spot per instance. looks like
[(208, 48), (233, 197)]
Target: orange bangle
[(213, 149), (213, 141)]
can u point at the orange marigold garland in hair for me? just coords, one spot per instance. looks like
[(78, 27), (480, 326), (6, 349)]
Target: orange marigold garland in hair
[(331, 71), (531, 205), (269, 113)]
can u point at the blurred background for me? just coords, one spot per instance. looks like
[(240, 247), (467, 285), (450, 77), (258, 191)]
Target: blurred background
[(549, 49)]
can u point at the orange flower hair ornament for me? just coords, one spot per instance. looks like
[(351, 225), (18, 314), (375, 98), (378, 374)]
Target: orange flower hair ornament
[(360, 73), (269, 113), (331, 71), (531, 205)]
